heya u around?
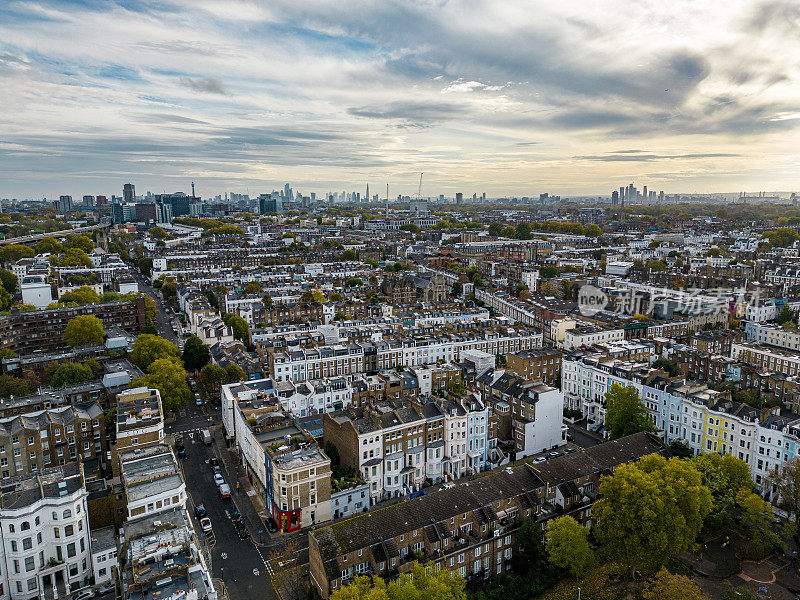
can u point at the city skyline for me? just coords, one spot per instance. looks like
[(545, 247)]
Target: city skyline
[(513, 99)]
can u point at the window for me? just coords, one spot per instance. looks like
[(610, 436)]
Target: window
[(71, 549), (67, 514), (27, 543), (30, 564)]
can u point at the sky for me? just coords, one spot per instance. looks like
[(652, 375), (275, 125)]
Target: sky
[(511, 97)]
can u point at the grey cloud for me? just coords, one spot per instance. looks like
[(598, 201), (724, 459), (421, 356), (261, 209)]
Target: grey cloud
[(616, 157), (209, 85), (168, 118), (10, 63), (410, 113), (777, 15)]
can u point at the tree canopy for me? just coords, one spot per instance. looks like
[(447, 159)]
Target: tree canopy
[(11, 253), (420, 585), (169, 378), (666, 586), (725, 477), (80, 296), (84, 330), (625, 412), (568, 546), (8, 280), (69, 374), (195, 354), (241, 330), (49, 245), (149, 348), (650, 510)]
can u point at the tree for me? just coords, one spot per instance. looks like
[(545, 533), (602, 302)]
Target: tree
[(650, 510), (241, 330), (210, 381), (782, 237), (69, 374), (157, 233), (5, 300), (348, 255), (680, 449), (317, 296), (625, 412), (495, 229), (267, 301), (84, 330), (169, 378), (195, 354), (757, 519), (725, 476), (149, 348), (145, 265), (353, 282), (523, 231), (666, 586), (83, 242), (434, 585), (457, 289), (49, 245), (13, 252), (670, 367), (80, 296), (234, 373), (786, 479), (8, 280), (594, 231), (568, 546), (551, 288), (657, 265), (254, 287), (786, 315), (75, 257), (548, 272)]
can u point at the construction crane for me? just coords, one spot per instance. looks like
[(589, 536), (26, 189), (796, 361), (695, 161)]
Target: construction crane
[(419, 192)]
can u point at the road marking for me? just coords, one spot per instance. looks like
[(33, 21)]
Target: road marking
[(256, 572), (224, 555)]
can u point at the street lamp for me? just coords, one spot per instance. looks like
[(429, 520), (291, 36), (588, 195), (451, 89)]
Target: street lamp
[(579, 593)]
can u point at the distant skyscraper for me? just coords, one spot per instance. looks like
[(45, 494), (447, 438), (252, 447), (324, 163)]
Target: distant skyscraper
[(614, 198), (622, 194), (65, 203), (644, 193), (88, 201), (366, 196), (128, 193), (287, 191), (459, 197)]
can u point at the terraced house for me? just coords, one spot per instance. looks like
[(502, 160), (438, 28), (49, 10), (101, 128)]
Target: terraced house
[(470, 528), (38, 440)]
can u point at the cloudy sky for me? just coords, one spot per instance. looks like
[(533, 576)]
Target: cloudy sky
[(506, 97)]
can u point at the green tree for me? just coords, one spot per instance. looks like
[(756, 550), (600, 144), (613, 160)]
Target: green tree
[(13, 386), (523, 231), (786, 315), (5, 300), (11, 253), (254, 287), (210, 381), (145, 265), (80, 296), (670, 367), (625, 412), (149, 348), (548, 272), (786, 479), (157, 233), (757, 519), (657, 265), (680, 449), (348, 255), (568, 546), (649, 511), (49, 245), (353, 282), (75, 257), (195, 354), (267, 301), (84, 330), (8, 280), (241, 330), (83, 242), (418, 585), (70, 374), (495, 229), (725, 476), (666, 586), (234, 373), (169, 378), (594, 231), (782, 237)]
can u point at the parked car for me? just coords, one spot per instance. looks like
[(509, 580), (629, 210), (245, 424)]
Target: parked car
[(553, 454), (569, 450), (84, 595), (197, 400), (225, 491), (218, 479), (205, 523), (448, 485), (206, 437), (181, 451), (106, 588), (213, 462), (200, 511), (538, 460), (272, 526), (417, 494)]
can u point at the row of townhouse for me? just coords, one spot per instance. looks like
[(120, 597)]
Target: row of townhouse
[(767, 357), (772, 335), (398, 450), (329, 361), (705, 419), (470, 528)]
